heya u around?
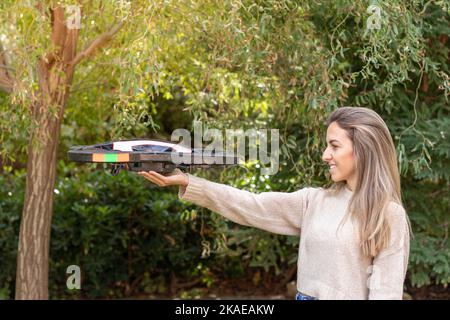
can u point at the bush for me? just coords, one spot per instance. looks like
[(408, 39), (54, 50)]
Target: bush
[(130, 237), (125, 235), (242, 73)]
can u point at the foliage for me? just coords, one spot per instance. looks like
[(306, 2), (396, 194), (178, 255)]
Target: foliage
[(127, 237), (241, 64)]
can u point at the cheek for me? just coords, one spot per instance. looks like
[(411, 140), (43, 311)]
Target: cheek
[(346, 161), (350, 161)]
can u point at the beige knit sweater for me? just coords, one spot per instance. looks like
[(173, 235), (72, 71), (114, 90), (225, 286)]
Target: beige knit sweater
[(330, 264)]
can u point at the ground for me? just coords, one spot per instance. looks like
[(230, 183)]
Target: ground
[(238, 289)]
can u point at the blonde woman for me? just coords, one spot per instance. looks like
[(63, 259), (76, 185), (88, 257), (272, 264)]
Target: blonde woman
[(354, 236)]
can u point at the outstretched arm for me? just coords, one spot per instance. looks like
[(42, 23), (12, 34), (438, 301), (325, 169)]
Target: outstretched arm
[(275, 212)]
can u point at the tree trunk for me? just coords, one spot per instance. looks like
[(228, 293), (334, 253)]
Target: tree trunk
[(55, 72), (35, 226), (34, 238)]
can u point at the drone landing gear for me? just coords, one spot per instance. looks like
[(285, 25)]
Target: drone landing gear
[(161, 167), (115, 168), (143, 166)]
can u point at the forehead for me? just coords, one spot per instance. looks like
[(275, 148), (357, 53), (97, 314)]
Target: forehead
[(334, 132)]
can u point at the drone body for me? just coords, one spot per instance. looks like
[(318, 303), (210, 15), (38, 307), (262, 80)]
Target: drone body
[(146, 155)]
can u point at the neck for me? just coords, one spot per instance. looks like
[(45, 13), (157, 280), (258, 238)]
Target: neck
[(351, 183)]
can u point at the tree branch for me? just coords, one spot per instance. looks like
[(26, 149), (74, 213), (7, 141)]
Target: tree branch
[(59, 32), (6, 80), (101, 41)]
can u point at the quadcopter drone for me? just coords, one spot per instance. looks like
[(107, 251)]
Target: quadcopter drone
[(146, 155)]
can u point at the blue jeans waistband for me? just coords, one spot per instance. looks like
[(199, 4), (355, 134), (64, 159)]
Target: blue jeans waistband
[(302, 296)]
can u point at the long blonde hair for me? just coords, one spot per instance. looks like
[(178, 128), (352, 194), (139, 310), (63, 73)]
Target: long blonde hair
[(378, 179)]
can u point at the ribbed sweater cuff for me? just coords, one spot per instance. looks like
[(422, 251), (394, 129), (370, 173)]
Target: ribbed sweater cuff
[(193, 192)]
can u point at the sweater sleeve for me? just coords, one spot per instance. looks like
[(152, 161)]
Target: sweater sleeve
[(390, 265), (276, 212)]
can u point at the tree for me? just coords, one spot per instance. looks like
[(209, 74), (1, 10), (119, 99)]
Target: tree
[(43, 83), (280, 64)]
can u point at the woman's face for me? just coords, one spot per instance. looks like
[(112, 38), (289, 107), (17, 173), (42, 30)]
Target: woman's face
[(339, 155)]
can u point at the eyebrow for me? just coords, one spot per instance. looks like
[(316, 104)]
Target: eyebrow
[(333, 140)]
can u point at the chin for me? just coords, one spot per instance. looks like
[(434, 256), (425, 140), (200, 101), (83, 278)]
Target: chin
[(337, 179)]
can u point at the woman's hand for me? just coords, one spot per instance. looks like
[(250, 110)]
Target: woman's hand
[(175, 178)]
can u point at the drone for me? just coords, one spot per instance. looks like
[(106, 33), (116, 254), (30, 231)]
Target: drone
[(145, 155)]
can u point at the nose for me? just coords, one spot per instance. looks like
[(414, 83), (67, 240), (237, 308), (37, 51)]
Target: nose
[(326, 155)]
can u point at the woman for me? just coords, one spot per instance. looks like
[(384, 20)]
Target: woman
[(354, 236)]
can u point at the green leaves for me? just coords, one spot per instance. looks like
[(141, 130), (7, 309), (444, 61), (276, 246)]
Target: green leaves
[(232, 64)]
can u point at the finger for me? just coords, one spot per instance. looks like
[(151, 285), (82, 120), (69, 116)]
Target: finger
[(144, 174), (153, 179), (158, 177), (156, 174)]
